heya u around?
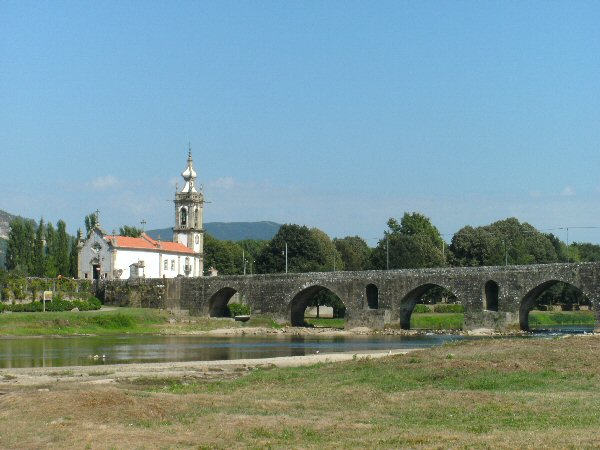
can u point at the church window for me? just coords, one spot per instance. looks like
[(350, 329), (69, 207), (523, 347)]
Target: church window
[(183, 219), (166, 265), (172, 264)]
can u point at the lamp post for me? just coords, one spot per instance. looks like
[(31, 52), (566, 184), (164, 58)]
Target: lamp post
[(286, 257)]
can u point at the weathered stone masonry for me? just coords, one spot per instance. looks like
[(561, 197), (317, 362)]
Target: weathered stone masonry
[(493, 297)]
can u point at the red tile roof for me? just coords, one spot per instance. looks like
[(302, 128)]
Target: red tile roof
[(145, 242)]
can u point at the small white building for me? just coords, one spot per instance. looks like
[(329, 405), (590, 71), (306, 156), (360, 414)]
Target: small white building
[(106, 256)]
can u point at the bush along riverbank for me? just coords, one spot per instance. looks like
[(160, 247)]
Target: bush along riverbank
[(56, 305)]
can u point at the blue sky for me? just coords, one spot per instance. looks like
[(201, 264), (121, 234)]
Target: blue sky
[(334, 114)]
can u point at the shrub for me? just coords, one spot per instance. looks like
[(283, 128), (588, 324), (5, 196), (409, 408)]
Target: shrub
[(57, 304), (444, 308), (238, 309), (420, 309)]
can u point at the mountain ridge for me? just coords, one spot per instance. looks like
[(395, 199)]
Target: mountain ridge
[(227, 231)]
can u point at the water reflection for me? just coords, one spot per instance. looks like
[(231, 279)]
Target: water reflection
[(98, 350)]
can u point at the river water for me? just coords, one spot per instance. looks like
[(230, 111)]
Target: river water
[(124, 349)]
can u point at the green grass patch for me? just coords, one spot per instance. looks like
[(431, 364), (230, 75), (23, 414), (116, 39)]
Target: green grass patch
[(118, 321), (553, 318), (327, 323), (437, 321)]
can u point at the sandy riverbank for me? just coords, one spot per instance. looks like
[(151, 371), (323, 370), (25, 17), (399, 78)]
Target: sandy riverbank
[(110, 373)]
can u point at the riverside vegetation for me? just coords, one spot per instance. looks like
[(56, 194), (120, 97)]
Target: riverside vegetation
[(145, 320)]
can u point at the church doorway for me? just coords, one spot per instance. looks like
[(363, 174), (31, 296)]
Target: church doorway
[(96, 271)]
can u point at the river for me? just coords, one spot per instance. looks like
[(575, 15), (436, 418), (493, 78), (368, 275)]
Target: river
[(125, 349)]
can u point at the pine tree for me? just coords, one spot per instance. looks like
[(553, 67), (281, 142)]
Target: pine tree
[(20, 251), (74, 255), (39, 256), (62, 248), (51, 269)]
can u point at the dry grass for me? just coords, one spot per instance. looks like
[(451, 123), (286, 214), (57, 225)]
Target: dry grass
[(506, 393)]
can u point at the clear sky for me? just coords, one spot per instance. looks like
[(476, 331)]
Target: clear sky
[(332, 114)]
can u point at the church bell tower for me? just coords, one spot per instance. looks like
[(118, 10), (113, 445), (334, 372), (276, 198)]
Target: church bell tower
[(189, 204)]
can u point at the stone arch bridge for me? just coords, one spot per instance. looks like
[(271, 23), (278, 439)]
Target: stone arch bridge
[(493, 297)]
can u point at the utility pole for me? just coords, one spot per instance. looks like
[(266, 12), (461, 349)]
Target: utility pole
[(285, 252), (387, 251)]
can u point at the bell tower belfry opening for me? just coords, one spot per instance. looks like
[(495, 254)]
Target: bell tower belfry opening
[(188, 229)]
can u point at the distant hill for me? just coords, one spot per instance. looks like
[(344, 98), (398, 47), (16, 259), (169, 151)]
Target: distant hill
[(229, 231), (5, 219), (3, 246)]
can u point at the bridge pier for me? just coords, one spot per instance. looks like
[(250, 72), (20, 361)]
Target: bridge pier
[(376, 319)]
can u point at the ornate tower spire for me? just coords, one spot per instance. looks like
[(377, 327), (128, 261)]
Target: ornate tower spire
[(188, 229), (189, 175)]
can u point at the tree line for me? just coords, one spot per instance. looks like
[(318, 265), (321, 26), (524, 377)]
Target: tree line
[(411, 242), (45, 250)]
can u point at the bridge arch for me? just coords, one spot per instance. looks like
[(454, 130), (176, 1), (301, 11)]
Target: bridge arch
[(302, 299), (217, 304), (372, 293), (408, 302), (491, 292), (529, 299)]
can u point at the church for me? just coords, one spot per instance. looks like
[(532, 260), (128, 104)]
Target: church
[(105, 256)]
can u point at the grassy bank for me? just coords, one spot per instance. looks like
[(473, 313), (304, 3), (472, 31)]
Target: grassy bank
[(437, 321), (140, 320), (543, 318), (495, 393), (454, 321), (114, 321)]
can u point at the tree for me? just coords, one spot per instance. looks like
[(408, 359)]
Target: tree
[(305, 251), (51, 245), (39, 256), (21, 242), (74, 256), (251, 249), (130, 231), (354, 251), (412, 243), (475, 247), (91, 220), (330, 256), (504, 242), (61, 249), (225, 256), (587, 252), (416, 224)]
